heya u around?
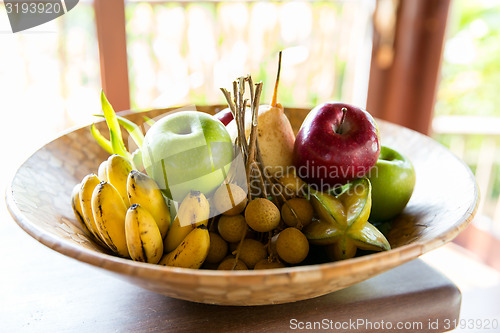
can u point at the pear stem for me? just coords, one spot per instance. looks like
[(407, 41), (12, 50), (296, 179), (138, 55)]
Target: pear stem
[(274, 101)]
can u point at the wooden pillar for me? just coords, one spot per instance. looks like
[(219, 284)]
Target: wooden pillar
[(402, 86), (111, 36)]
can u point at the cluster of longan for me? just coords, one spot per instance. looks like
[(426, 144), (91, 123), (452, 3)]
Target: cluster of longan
[(255, 234)]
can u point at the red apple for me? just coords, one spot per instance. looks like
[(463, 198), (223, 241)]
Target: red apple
[(336, 143), (224, 115)]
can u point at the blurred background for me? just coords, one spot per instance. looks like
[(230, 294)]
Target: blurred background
[(182, 52)]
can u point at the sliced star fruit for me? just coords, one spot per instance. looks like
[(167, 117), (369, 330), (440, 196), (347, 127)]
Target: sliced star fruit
[(329, 208), (343, 225), (320, 232), (357, 201)]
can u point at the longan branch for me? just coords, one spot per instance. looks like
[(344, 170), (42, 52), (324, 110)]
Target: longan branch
[(238, 249), (253, 131), (262, 183), (230, 103)]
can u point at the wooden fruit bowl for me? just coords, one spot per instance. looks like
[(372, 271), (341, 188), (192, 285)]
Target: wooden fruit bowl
[(443, 203)]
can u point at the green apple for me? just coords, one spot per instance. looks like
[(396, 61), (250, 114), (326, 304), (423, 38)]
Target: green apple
[(393, 180), (187, 151)]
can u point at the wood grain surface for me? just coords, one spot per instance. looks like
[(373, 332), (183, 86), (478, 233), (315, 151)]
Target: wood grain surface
[(42, 291), (444, 202)]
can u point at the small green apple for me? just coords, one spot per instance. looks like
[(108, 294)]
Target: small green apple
[(185, 151), (393, 180)]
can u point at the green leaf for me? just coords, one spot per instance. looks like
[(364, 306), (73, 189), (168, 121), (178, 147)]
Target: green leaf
[(132, 128), (115, 133), (148, 120), (101, 140)]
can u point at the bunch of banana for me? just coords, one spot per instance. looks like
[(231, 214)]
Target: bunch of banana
[(188, 240), (193, 211), (131, 223), (192, 251), (144, 240), (124, 210)]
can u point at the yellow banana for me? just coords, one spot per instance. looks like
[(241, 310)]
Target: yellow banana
[(102, 171), (109, 215), (175, 235), (144, 241), (191, 252), (89, 183), (117, 170), (77, 208), (143, 190), (193, 211)]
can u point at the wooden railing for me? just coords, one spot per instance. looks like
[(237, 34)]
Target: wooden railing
[(327, 57), (476, 140), (183, 51)]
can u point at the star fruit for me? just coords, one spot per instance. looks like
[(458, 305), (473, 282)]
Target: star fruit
[(343, 222)]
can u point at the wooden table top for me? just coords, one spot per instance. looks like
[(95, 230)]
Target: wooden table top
[(43, 291)]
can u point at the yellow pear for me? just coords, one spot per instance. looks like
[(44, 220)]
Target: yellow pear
[(275, 133), (276, 139)]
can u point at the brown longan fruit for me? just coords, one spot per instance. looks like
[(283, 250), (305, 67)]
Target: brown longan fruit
[(292, 245), (232, 228), (233, 246), (303, 210), (227, 265), (217, 250), (293, 184), (262, 215), (271, 249), (267, 264), (230, 199), (251, 252), (207, 265)]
